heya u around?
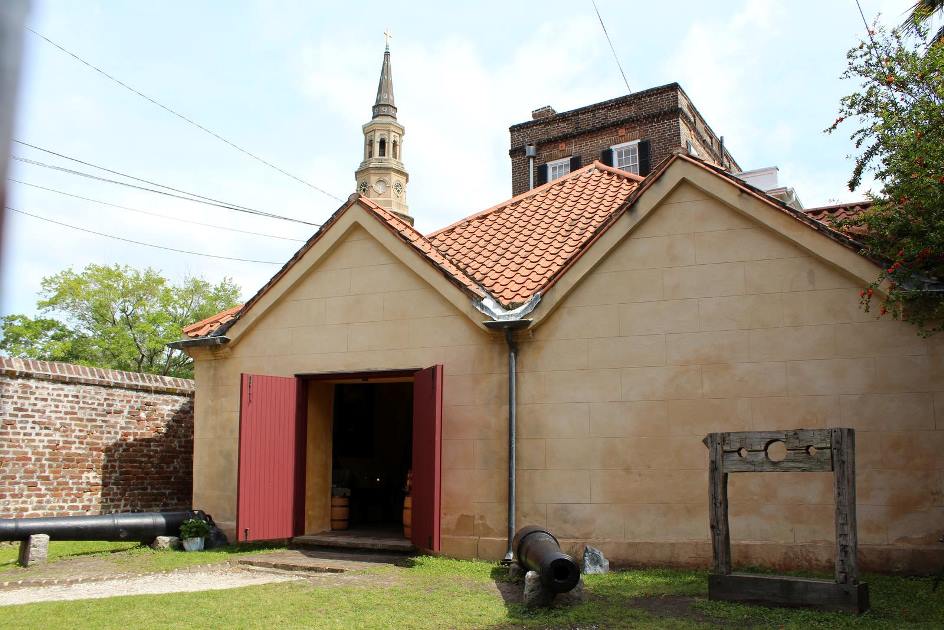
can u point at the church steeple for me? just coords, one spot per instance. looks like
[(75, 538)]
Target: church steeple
[(384, 105), (381, 176)]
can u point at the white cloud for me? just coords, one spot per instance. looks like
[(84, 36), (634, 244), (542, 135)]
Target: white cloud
[(717, 64), (453, 103)]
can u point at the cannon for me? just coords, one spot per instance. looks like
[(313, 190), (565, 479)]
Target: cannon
[(536, 549), (136, 526)]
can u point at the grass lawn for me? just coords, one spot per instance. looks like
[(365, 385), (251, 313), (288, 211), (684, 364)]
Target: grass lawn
[(115, 557), (441, 593)]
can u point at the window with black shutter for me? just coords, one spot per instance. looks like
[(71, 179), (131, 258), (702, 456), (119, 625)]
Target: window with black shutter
[(645, 161)]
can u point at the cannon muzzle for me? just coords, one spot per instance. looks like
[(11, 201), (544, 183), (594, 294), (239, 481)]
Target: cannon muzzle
[(536, 549), (135, 526)]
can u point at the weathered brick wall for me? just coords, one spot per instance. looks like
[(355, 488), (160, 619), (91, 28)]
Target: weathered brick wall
[(663, 115), (81, 440)]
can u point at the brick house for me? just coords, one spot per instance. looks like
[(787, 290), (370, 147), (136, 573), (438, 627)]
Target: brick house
[(606, 320), (633, 132)]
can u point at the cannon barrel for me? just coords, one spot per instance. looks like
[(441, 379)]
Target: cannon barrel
[(134, 526), (536, 549)]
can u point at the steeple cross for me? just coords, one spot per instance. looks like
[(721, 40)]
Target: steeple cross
[(387, 37)]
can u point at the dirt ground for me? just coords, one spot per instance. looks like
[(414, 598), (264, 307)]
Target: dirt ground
[(176, 582)]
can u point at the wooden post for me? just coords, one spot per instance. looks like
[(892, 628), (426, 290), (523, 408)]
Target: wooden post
[(718, 506), (843, 450)]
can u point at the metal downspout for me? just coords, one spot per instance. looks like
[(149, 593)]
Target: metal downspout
[(509, 327), (512, 436)]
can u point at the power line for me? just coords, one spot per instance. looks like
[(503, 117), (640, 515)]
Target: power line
[(182, 117), (223, 205), (125, 175), (868, 30), (156, 214), (128, 240), (615, 57)]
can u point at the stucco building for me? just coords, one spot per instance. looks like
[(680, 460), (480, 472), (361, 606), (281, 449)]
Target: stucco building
[(632, 316)]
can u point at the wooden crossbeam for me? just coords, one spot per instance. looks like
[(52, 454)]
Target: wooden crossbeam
[(806, 450)]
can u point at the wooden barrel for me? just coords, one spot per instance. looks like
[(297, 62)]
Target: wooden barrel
[(340, 512), (408, 516)]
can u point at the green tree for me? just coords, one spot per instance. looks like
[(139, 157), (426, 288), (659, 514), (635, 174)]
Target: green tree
[(921, 14), (115, 317), (39, 338), (898, 112)]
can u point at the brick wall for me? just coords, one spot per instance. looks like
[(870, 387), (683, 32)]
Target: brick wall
[(81, 440), (663, 115)]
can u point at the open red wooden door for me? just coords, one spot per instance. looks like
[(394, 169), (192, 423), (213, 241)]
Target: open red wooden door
[(427, 456), (271, 459)]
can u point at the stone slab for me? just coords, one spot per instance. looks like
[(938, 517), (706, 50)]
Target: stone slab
[(34, 550), (321, 560), (355, 540)]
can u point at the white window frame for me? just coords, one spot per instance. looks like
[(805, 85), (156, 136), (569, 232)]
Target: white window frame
[(625, 145), (563, 164)]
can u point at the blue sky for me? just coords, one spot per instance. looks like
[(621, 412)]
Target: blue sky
[(293, 81)]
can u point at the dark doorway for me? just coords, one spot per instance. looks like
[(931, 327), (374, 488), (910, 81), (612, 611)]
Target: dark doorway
[(372, 451)]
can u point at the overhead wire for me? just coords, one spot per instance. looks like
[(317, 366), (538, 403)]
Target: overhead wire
[(155, 214), (183, 117), (868, 29), (612, 48), (142, 243), (127, 176), (223, 205)]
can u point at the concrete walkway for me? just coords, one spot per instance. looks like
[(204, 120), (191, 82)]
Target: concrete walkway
[(182, 582)]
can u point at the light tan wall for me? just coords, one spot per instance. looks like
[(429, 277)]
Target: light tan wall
[(362, 309), (703, 320)]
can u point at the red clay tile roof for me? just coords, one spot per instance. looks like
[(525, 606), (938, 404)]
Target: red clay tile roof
[(838, 212), (515, 248), (206, 326), (522, 246)]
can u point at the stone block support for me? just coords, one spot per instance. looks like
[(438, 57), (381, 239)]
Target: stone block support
[(34, 550)]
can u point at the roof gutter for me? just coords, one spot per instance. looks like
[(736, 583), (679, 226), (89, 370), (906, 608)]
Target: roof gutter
[(198, 342), (510, 326)]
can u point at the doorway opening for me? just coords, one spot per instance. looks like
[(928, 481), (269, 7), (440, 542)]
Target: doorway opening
[(371, 455)]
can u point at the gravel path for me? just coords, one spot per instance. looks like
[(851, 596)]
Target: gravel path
[(182, 582)]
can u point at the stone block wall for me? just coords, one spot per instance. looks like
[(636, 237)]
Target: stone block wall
[(664, 116), (80, 440)]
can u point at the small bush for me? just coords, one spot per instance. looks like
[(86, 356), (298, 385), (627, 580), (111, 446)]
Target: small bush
[(194, 528)]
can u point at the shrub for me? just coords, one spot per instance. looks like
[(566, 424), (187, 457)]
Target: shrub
[(194, 528)]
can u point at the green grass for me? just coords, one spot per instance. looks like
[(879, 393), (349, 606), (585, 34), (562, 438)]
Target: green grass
[(442, 593), (129, 557), (62, 549)]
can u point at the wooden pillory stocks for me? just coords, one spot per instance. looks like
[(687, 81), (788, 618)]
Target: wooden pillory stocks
[(807, 450)]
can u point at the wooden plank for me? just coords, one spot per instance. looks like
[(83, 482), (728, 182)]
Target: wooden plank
[(795, 461), (718, 506), (794, 439), (843, 451), (789, 591)]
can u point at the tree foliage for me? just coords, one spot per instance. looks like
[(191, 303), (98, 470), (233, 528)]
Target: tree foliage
[(898, 112), (115, 317)]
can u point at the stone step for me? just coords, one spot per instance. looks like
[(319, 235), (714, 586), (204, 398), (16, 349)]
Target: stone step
[(334, 540), (308, 560)]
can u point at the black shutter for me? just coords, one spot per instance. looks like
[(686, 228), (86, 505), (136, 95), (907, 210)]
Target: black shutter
[(645, 163), (607, 157), (542, 175), (574, 163)]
